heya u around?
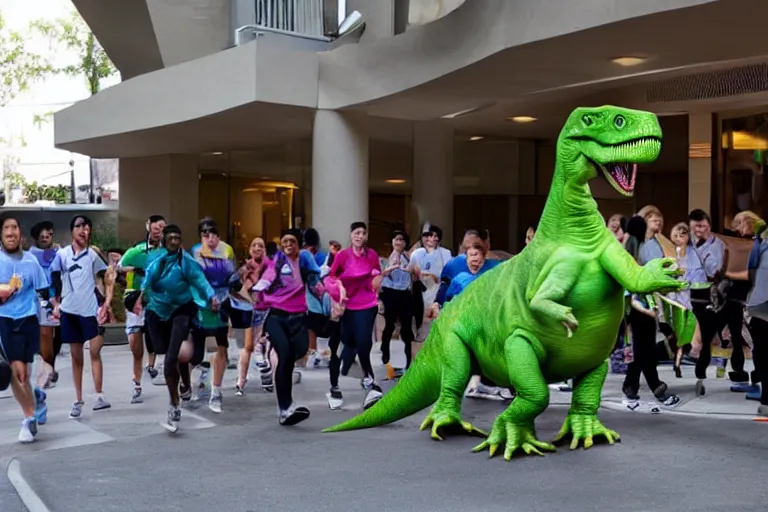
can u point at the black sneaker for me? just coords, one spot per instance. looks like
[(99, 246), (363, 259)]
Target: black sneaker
[(293, 415)]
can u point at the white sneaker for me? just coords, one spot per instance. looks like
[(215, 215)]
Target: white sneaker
[(28, 431), (506, 394), (335, 399), (160, 379), (641, 406), (483, 391), (371, 397)]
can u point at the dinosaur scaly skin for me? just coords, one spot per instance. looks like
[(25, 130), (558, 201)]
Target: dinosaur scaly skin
[(550, 313)]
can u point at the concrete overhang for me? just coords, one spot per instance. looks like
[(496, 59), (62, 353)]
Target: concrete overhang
[(249, 95), (511, 55)]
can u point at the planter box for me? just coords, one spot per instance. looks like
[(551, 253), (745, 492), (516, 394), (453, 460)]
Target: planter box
[(114, 334)]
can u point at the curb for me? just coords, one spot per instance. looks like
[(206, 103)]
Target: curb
[(614, 406), (28, 497)]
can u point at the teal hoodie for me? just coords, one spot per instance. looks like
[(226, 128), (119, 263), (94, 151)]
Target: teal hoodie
[(172, 281)]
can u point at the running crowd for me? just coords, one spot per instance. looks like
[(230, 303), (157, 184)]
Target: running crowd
[(284, 296)]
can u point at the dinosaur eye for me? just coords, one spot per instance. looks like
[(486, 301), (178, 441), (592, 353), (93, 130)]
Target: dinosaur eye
[(587, 120), (619, 121)]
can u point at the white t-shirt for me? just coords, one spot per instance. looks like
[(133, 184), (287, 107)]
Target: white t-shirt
[(78, 280), (431, 262)]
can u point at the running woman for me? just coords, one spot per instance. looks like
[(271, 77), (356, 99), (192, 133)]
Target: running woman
[(172, 288), (133, 264), (250, 273), (74, 272), (217, 259), (44, 249), (355, 267), (21, 279), (397, 298), (283, 285)]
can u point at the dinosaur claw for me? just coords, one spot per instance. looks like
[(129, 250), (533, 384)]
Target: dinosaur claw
[(568, 329)]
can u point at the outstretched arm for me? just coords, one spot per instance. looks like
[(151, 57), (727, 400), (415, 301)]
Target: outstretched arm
[(654, 276)]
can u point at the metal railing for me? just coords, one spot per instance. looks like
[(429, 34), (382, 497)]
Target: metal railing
[(306, 17)]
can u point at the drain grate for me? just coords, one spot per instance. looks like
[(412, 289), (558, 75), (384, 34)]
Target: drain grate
[(713, 84)]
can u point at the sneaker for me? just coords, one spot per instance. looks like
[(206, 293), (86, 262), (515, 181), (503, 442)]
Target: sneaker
[(171, 419), (54, 377), (28, 430), (239, 391), (700, 389), (214, 404), (159, 378), (293, 415), (373, 392), (101, 403), (637, 405), (77, 409), (185, 393), (267, 384), (506, 394), (335, 399), (203, 387), (136, 395), (41, 407), (755, 394), (313, 361), (670, 401), (153, 373)]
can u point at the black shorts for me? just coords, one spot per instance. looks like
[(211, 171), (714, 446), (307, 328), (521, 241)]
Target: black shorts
[(221, 334), (319, 324), (163, 328), (20, 338)]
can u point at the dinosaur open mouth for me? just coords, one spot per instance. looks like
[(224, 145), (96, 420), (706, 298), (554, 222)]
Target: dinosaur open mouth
[(621, 176)]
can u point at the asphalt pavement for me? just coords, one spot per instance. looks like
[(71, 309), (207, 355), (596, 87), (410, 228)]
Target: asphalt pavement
[(242, 460)]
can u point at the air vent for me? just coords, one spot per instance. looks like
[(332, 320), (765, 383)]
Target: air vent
[(713, 84)]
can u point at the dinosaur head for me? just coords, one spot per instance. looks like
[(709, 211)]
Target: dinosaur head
[(610, 141)]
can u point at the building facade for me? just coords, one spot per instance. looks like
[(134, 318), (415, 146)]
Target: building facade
[(259, 113)]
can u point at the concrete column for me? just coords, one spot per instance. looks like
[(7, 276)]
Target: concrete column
[(433, 178), (339, 173), (165, 185), (700, 161)]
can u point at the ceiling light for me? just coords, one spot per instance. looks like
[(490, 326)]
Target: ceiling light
[(214, 153), (395, 181), (477, 137), (522, 119), (628, 61)]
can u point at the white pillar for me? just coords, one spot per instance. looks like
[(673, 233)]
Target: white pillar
[(433, 178), (339, 174), (700, 162)]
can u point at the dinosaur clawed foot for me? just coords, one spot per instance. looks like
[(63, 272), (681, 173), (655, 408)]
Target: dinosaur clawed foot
[(448, 422), (584, 427), (513, 437)]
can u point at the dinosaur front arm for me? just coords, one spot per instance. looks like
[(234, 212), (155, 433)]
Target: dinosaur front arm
[(655, 276)]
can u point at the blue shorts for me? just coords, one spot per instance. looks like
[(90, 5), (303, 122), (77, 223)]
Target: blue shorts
[(259, 315), (20, 338), (78, 329)]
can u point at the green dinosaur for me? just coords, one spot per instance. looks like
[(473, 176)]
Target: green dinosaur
[(548, 314)]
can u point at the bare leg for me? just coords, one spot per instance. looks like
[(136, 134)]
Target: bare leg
[(251, 335), (136, 342), (220, 362), (76, 353), (22, 390), (96, 365)]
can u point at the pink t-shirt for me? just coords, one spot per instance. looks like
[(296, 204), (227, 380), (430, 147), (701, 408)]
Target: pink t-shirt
[(290, 296), (356, 273)]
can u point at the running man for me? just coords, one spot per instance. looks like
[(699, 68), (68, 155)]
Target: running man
[(217, 259), (134, 263), (172, 287), (21, 279), (74, 272), (44, 249)]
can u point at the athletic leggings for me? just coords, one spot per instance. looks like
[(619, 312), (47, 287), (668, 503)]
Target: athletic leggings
[(333, 330), (357, 334), (168, 335), (643, 354), (290, 341), (398, 305)]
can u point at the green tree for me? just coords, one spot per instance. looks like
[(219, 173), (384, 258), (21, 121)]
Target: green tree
[(19, 67), (92, 63)]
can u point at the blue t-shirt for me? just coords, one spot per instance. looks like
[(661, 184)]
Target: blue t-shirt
[(23, 302), (455, 267), (78, 280), (463, 279), (45, 258)]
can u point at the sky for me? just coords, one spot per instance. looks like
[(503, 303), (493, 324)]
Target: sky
[(40, 161)]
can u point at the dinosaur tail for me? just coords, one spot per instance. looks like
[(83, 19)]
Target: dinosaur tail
[(417, 389)]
